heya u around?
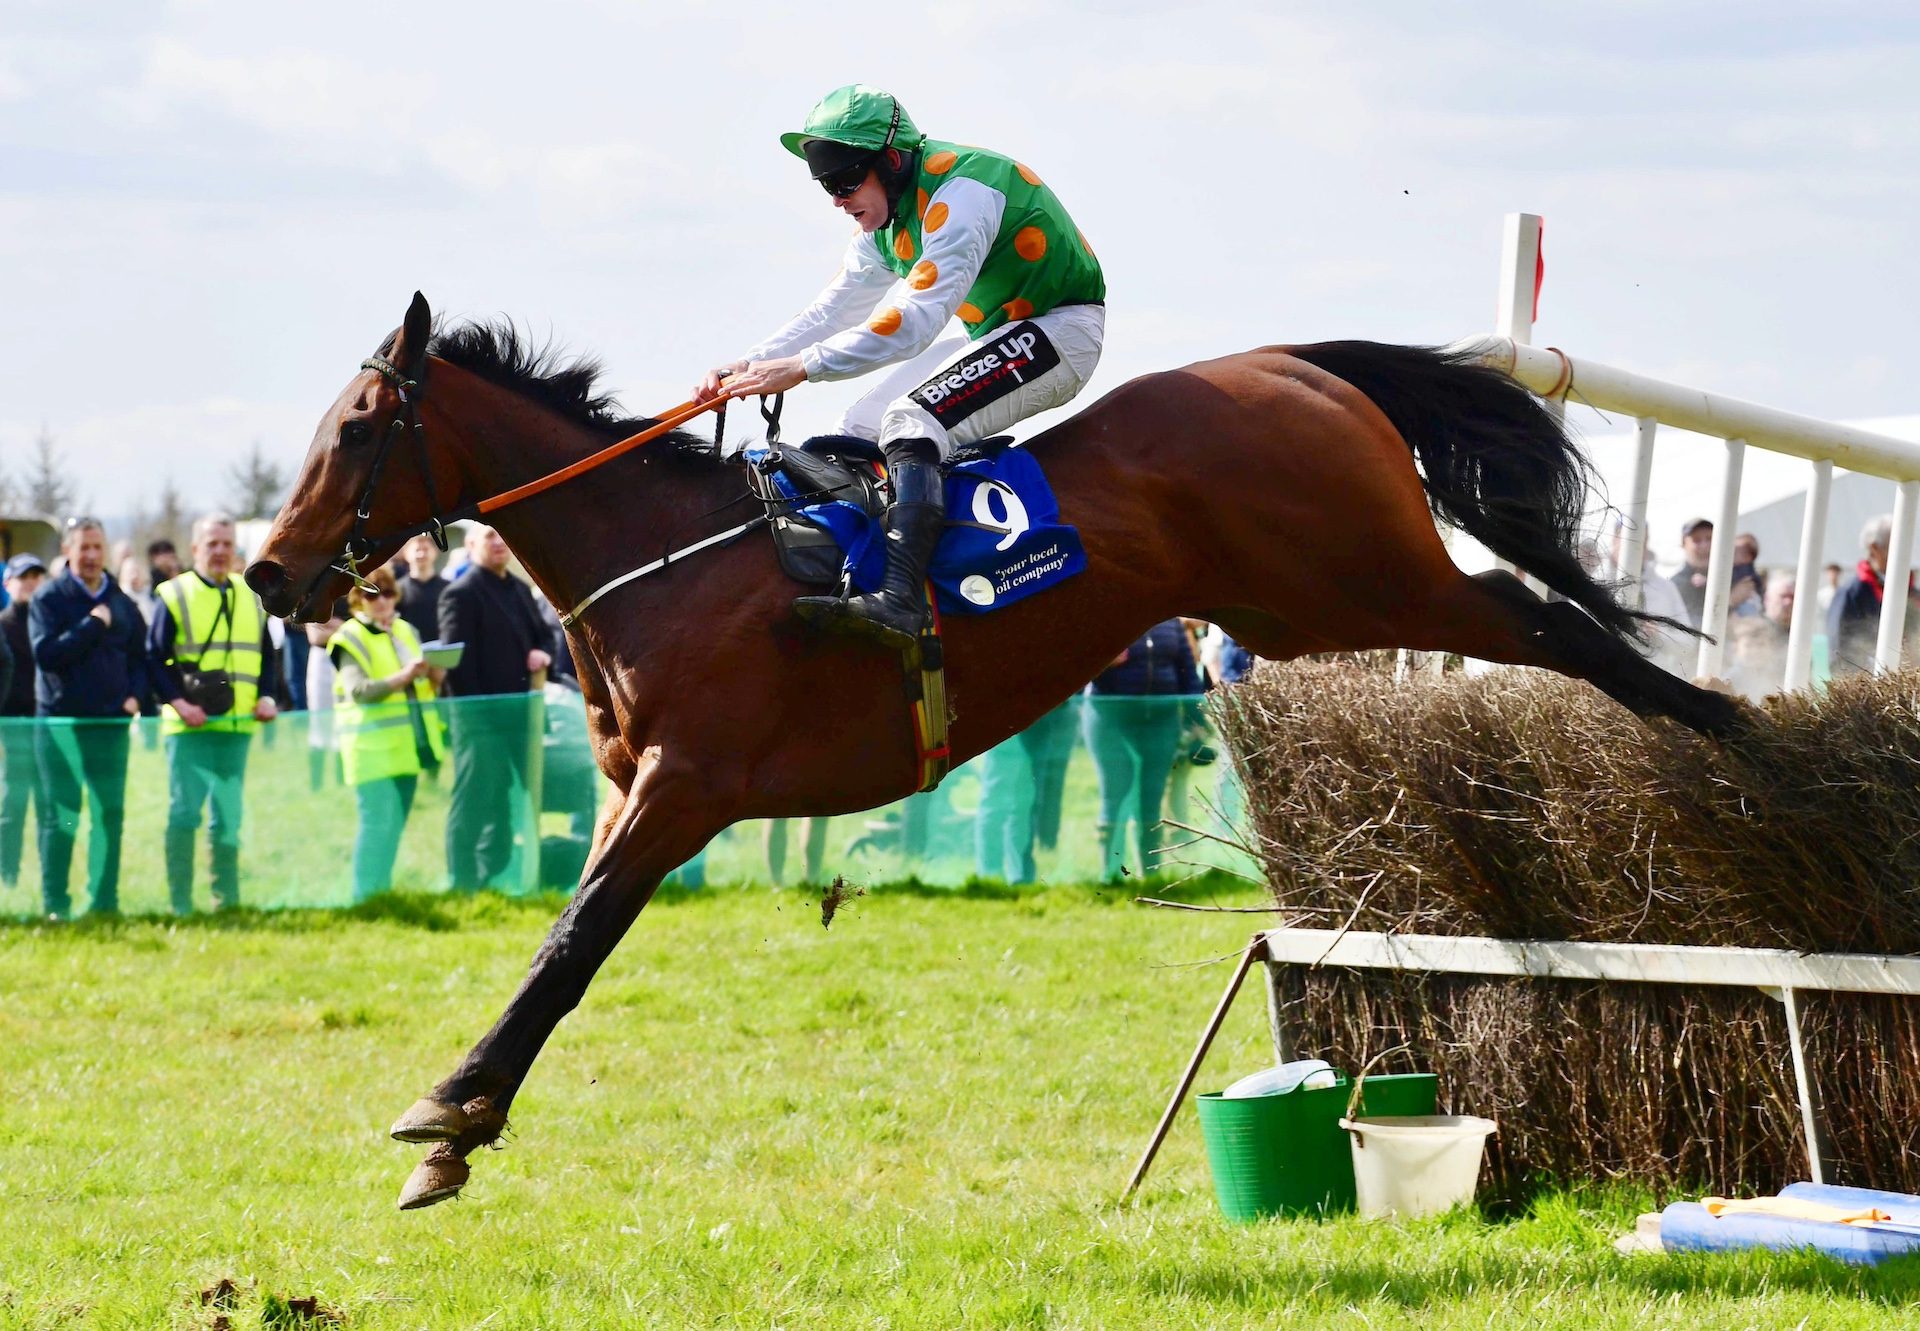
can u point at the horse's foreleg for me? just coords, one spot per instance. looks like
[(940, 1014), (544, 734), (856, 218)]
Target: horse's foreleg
[(667, 817)]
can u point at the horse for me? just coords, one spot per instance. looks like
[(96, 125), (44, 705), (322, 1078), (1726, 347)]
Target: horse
[(1274, 492)]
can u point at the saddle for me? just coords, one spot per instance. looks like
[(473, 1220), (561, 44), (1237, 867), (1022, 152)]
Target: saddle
[(830, 467), (825, 468), (853, 470)]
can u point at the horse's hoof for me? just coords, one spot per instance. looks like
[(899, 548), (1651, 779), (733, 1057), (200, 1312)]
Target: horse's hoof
[(440, 1176), (430, 1121)]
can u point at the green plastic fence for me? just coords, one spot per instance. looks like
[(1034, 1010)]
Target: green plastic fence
[(1029, 810)]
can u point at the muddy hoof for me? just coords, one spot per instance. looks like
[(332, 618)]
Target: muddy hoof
[(440, 1176), (430, 1121)]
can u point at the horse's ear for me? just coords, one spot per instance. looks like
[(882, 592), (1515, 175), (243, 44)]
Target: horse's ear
[(410, 352)]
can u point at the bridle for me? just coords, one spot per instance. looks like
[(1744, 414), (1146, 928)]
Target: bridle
[(407, 424)]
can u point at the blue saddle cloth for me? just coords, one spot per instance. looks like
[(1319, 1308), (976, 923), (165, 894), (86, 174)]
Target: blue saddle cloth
[(1004, 539)]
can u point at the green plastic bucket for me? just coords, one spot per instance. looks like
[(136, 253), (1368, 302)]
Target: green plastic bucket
[(1286, 1154)]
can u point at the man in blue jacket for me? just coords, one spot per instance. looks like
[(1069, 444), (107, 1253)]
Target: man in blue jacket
[(89, 641)]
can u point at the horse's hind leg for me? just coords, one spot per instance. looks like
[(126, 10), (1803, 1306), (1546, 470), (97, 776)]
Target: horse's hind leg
[(1495, 617), (667, 817)]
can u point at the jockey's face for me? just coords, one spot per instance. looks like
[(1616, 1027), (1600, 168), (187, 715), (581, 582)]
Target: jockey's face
[(867, 205)]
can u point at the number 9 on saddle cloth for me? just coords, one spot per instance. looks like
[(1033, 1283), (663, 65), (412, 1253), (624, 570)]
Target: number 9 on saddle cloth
[(1004, 539)]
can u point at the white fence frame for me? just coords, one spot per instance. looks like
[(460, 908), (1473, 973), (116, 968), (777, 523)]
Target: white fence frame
[(1557, 376), (1779, 974)]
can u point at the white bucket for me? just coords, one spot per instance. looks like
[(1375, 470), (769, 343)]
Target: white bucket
[(1417, 1165)]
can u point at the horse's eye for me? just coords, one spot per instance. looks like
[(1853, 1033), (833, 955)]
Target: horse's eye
[(355, 432)]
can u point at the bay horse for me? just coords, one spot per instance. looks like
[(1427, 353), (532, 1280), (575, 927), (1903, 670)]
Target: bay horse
[(1274, 493)]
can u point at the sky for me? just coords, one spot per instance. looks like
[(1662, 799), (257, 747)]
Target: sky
[(210, 212)]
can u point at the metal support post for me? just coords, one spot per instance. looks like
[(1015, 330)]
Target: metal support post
[(1893, 610), (1806, 601), (1713, 619), (1633, 523), (1802, 1085), (1256, 951)]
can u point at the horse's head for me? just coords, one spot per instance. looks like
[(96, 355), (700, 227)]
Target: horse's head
[(365, 481)]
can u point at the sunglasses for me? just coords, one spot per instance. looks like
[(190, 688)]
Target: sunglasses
[(846, 181)]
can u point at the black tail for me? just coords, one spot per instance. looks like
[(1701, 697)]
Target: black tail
[(1496, 463)]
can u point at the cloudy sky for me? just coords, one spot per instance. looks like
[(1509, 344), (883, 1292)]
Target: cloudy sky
[(209, 212)]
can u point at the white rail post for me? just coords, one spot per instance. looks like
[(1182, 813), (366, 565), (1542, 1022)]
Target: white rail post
[(1713, 618), (1806, 587), (1519, 266), (1893, 609), (1633, 532)]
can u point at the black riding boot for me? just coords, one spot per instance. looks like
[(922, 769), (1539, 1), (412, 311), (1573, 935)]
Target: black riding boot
[(896, 613)]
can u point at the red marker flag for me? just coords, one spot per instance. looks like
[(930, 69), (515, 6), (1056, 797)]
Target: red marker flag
[(1539, 267)]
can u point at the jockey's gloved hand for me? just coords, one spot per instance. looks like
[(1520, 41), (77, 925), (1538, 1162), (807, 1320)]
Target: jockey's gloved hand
[(710, 387)]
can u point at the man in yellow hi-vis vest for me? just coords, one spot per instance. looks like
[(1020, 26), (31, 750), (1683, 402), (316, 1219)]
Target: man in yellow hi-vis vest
[(218, 673)]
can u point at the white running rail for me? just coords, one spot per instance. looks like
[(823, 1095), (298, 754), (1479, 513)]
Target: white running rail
[(1557, 376)]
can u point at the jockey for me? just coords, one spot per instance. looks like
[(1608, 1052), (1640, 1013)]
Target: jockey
[(945, 231)]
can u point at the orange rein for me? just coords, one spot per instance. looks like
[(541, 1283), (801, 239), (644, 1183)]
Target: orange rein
[(674, 418)]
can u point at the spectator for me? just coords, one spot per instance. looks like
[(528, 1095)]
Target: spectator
[(163, 565), (293, 665), (89, 643), (214, 664), (1853, 619), (813, 837), (1224, 660), (1669, 648), (1829, 586), (133, 581), (492, 613), (420, 589), (1133, 729), (1022, 782), (19, 777), (320, 746), (1749, 590), (163, 562), (382, 686), (1696, 548), (1757, 661)]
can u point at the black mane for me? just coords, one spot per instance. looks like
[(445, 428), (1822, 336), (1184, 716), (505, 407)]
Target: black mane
[(498, 353)]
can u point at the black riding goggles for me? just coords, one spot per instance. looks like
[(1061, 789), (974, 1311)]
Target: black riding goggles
[(845, 181)]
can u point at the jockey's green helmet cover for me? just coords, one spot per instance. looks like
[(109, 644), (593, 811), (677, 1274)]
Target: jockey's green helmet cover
[(859, 116)]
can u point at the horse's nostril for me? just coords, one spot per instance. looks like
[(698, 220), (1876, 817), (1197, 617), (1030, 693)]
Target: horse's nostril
[(266, 578)]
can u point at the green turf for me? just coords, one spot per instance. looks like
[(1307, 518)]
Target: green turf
[(920, 1118)]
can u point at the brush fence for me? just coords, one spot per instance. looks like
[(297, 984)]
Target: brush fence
[(1780, 974)]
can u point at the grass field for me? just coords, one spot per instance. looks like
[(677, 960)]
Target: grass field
[(920, 1118)]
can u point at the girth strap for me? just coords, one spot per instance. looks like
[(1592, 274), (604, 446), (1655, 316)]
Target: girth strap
[(926, 686)]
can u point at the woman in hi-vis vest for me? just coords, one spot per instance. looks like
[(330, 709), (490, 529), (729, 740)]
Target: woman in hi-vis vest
[(388, 727)]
